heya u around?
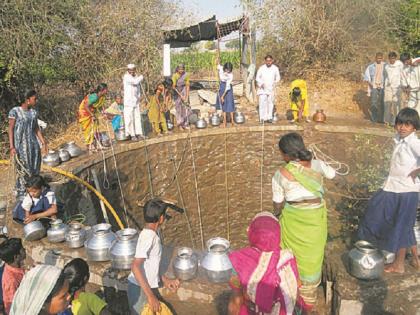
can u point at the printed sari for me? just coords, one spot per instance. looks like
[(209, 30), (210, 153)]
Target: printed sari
[(86, 120), (182, 110), (304, 230), (266, 275)]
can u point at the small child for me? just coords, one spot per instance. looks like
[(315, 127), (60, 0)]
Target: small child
[(13, 254), (391, 214), (116, 113), (225, 100), (39, 201), (77, 274), (143, 281)]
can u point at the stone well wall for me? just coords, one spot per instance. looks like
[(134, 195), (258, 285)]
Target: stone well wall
[(228, 200)]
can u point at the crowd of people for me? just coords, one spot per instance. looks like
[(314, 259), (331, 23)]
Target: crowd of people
[(390, 82)]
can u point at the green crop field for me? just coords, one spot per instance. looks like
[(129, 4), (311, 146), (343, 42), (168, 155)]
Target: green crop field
[(197, 61)]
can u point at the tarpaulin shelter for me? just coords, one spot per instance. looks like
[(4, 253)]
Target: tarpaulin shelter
[(209, 29)]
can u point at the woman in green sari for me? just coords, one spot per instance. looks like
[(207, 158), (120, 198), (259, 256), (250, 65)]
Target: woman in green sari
[(298, 200)]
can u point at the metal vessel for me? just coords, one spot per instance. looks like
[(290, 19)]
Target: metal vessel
[(185, 264), (120, 135), (57, 232), (215, 120), (34, 231), (98, 245), (366, 261), (388, 257), (76, 235), (170, 125), (73, 149), (239, 118), (123, 249), (216, 262), (64, 155), (201, 123), (51, 159), (319, 116)]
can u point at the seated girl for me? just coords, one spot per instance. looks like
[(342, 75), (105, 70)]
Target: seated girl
[(39, 202), (82, 303)]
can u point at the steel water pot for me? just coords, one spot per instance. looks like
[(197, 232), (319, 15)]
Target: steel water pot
[(98, 245), (64, 155), (34, 231), (73, 149), (216, 263), (120, 135), (239, 118), (366, 261), (417, 232), (76, 235), (185, 264), (51, 159), (57, 232), (201, 123), (123, 249), (215, 120)]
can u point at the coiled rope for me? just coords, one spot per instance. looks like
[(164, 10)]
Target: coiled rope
[(339, 167)]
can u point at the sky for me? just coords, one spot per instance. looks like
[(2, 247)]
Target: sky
[(223, 9)]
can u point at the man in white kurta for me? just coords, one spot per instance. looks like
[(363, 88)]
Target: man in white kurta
[(132, 93), (411, 80), (268, 76), (392, 88)]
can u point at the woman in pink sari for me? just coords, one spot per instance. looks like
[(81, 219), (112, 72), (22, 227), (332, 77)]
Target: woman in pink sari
[(265, 279)]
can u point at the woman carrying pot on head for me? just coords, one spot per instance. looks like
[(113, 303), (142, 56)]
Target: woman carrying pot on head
[(181, 85), (225, 100), (159, 107), (24, 138), (44, 290), (88, 114), (266, 278), (298, 198)]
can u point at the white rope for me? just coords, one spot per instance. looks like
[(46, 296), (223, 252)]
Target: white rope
[(105, 182), (196, 190), (118, 178), (227, 191), (262, 163), (340, 168)]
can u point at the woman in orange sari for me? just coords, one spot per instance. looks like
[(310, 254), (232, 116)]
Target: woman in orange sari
[(88, 112)]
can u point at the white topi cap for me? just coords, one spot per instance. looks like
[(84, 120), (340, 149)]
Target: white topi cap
[(131, 66)]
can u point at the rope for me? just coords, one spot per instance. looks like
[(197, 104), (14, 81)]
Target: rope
[(118, 179), (227, 191), (176, 169), (105, 182), (262, 164), (336, 165), (196, 190)]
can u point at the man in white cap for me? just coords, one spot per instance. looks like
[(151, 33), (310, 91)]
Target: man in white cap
[(132, 92)]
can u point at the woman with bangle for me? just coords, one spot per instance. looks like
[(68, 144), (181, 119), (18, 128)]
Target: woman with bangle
[(24, 134), (88, 114)]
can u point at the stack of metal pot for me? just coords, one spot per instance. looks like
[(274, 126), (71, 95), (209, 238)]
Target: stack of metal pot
[(185, 264), (98, 245), (76, 235), (123, 249), (366, 261), (216, 263), (57, 232)]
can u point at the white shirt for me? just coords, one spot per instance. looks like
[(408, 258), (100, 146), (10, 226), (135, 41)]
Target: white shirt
[(27, 200), (148, 247), (267, 78), (284, 189), (225, 77), (410, 76), (132, 90), (405, 159), (393, 74)]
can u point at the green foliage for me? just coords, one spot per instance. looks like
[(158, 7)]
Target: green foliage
[(409, 26), (372, 165), (196, 61), (210, 45), (233, 44)]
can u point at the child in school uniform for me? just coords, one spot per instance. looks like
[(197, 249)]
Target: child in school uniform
[(391, 214), (143, 281), (39, 202)]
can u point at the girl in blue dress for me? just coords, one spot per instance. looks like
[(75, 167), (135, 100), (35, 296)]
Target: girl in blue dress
[(225, 95)]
